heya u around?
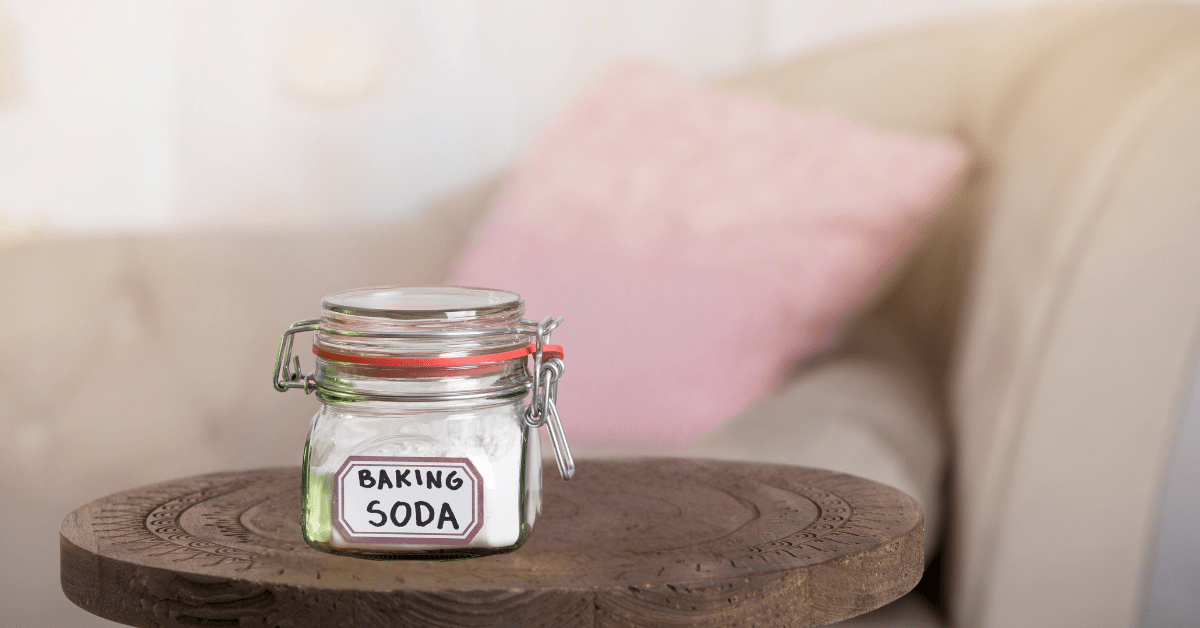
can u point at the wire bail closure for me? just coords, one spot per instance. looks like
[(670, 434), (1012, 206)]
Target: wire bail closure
[(541, 410), (288, 373)]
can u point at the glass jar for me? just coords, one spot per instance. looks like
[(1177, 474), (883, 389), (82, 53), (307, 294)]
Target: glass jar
[(425, 446)]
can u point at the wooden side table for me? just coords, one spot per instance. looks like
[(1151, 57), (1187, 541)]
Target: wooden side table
[(654, 542)]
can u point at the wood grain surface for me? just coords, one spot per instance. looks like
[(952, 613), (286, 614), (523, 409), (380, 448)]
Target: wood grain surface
[(651, 542)]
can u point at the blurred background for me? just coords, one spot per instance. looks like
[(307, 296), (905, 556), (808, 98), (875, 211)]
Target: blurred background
[(163, 162), (145, 115)]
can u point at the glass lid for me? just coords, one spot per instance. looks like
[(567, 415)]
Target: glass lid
[(424, 302)]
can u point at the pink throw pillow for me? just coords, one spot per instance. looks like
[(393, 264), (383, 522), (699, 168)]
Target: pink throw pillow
[(698, 243)]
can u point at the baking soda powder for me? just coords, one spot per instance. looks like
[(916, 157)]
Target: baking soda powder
[(425, 482)]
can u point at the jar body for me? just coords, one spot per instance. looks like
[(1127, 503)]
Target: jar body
[(420, 480)]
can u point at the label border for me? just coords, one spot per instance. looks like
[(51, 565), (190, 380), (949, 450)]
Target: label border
[(407, 539)]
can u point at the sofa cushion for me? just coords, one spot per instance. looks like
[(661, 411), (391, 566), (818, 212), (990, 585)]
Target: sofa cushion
[(699, 244)]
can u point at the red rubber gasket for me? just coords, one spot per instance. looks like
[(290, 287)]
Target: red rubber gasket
[(549, 351)]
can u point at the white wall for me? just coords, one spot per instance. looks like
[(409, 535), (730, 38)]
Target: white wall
[(162, 114)]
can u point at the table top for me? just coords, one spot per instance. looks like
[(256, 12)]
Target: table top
[(662, 542)]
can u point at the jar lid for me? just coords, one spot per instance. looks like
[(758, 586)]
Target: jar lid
[(448, 303), (422, 322), (405, 341)]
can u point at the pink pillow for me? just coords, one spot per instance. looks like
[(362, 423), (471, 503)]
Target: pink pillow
[(698, 243)]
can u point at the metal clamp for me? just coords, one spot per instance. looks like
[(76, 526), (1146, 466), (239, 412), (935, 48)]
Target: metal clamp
[(542, 409), (288, 373)]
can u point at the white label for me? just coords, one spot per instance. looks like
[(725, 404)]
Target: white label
[(431, 501)]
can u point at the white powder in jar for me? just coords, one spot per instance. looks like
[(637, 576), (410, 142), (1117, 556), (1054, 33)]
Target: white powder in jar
[(491, 438)]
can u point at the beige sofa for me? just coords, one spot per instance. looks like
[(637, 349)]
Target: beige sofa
[(1034, 353)]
